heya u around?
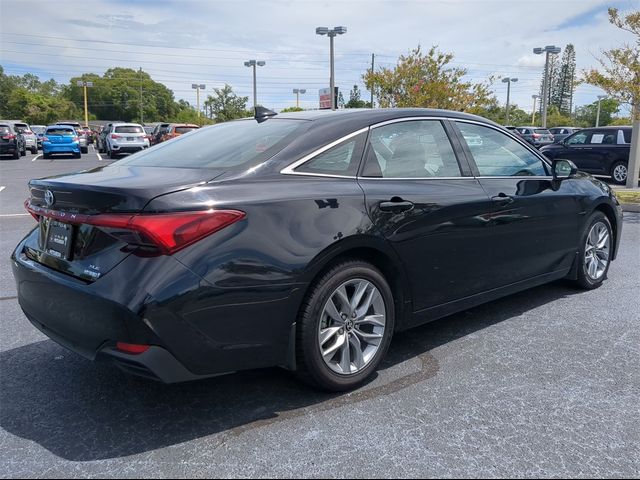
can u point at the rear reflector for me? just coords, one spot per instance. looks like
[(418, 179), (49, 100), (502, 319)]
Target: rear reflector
[(132, 348), (169, 232)]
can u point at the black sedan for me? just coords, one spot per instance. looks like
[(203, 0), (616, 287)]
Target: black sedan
[(302, 240)]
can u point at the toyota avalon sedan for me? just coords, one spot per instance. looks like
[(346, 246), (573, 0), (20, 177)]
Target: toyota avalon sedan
[(303, 241)]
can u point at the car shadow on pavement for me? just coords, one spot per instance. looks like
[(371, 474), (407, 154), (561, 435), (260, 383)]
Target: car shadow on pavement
[(83, 411)]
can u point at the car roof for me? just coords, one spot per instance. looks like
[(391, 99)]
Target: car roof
[(126, 124)]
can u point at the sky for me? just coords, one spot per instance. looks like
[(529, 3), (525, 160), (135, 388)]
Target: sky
[(207, 42)]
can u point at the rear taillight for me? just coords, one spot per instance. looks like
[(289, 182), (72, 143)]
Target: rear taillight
[(132, 348), (45, 139), (536, 135), (9, 137), (114, 136), (75, 139), (167, 232)]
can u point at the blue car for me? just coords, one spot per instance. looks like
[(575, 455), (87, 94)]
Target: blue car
[(60, 139)]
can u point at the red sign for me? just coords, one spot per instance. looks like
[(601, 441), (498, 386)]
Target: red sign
[(325, 98)]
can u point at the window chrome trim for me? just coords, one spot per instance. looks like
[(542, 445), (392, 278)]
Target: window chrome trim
[(290, 170), (417, 178)]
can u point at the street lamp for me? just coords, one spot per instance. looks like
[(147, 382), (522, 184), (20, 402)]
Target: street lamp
[(299, 91), (198, 87), (254, 63), (84, 85), (533, 115), (508, 81), (600, 98), (549, 49), (331, 34)]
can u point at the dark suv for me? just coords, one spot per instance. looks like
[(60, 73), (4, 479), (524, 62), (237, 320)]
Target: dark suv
[(11, 141), (600, 151)]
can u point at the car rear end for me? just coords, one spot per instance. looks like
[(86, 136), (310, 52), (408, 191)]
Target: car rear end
[(541, 137), (127, 138), (30, 138), (82, 137), (9, 141), (181, 129), (60, 139), (39, 131)]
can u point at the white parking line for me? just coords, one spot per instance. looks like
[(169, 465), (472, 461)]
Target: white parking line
[(15, 215), (36, 157), (2, 188)]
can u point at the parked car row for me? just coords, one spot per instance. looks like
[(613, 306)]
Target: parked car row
[(166, 131)]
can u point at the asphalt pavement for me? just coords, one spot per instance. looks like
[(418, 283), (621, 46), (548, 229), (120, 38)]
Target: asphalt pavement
[(542, 383)]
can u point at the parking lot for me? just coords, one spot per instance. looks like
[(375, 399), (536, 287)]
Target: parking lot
[(542, 383)]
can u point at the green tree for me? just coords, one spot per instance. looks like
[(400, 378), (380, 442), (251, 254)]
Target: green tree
[(225, 105), (428, 80), (586, 115), (555, 118), (292, 109), (564, 81), (355, 101), (620, 78)]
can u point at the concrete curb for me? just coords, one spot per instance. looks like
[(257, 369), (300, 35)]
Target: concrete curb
[(630, 207)]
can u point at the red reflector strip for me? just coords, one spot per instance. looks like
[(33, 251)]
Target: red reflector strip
[(132, 348)]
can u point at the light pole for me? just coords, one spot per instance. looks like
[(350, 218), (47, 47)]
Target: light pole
[(600, 98), (549, 49), (331, 34), (84, 85), (299, 91), (254, 64), (508, 81), (533, 115), (198, 87)]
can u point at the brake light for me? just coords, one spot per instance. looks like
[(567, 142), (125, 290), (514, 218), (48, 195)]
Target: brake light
[(74, 139), (168, 232), (11, 136), (114, 136), (536, 135), (132, 348), (45, 139)]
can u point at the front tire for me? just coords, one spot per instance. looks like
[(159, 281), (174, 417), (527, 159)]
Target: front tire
[(345, 326), (619, 172), (596, 248)]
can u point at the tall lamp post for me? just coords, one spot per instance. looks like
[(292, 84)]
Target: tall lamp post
[(331, 33), (198, 87), (600, 98), (508, 81), (533, 115), (84, 86), (255, 64), (299, 91), (548, 50)]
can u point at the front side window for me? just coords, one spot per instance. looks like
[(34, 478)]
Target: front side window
[(579, 138), (498, 155), (413, 149)]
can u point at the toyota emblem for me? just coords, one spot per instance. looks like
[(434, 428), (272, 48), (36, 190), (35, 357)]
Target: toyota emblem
[(49, 199)]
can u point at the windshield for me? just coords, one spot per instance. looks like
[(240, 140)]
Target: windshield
[(543, 131), (60, 131), (129, 129), (185, 129), (231, 145)]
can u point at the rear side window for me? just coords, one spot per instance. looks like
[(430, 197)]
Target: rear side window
[(231, 145), (185, 129), (627, 136), (604, 138), (60, 131), (343, 159), (414, 149), (129, 129), (498, 155)]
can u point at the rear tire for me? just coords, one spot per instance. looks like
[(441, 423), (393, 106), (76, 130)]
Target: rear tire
[(619, 172), (77, 155), (46, 156), (363, 340), (16, 155), (85, 149), (594, 262), (34, 150), (112, 155), (23, 152)]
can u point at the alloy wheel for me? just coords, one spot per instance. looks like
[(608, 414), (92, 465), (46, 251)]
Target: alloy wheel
[(620, 173), (352, 326), (596, 253)]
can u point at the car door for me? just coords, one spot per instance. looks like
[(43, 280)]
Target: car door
[(534, 222), (600, 151), (579, 150), (422, 197)]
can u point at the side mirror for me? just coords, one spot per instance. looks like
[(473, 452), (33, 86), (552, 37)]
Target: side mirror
[(563, 169)]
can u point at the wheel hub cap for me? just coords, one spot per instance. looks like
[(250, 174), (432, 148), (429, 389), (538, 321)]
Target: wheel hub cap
[(352, 326), (597, 250)]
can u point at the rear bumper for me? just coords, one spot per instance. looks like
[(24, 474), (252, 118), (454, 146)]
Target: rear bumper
[(61, 148), (128, 148), (8, 148)]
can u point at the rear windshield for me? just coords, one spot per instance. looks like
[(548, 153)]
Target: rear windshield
[(543, 131), (148, 129), (185, 129), (60, 131), (232, 145), (38, 129), (22, 127), (129, 129), (4, 129)]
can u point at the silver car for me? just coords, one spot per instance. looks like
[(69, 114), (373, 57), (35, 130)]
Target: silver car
[(82, 138), (126, 138), (30, 138)]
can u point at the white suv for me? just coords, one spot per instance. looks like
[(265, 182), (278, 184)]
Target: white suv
[(126, 138)]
